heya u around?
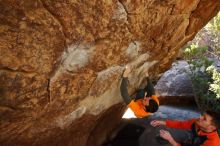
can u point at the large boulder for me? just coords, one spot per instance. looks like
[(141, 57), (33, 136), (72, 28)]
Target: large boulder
[(175, 85), (61, 62)]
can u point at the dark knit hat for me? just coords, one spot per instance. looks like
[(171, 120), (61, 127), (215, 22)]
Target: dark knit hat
[(152, 107)]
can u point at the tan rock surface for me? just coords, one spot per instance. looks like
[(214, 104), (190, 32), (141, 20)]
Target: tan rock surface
[(61, 62)]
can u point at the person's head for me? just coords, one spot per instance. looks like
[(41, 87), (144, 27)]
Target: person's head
[(209, 121), (150, 104)]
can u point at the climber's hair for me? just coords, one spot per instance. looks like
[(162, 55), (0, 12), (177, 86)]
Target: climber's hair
[(215, 118), (152, 107)]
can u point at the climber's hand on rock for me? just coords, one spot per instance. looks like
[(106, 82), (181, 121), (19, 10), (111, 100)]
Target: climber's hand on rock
[(146, 74), (127, 71)]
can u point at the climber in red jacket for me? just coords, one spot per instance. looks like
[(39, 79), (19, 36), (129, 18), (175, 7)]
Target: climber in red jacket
[(202, 131)]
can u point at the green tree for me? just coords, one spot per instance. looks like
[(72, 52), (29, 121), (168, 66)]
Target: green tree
[(205, 78)]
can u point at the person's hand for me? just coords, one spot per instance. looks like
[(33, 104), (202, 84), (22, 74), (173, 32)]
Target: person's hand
[(146, 74), (157, 123), (166, 135), (127, 71)]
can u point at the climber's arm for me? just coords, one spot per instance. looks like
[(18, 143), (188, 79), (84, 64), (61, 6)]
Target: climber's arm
[(124, 85), (150, 87), (124, 90)]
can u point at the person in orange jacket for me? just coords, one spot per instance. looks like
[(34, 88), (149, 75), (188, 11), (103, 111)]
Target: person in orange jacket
[(145, 102), (202, 131)]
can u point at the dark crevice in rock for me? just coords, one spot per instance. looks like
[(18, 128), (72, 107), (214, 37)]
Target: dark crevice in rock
[(8, 107), (120, 1), (56, 18), (126, 10), (172, 9), (187, 28), (135, 43), (175, 100), (7, 69), (48, 90)]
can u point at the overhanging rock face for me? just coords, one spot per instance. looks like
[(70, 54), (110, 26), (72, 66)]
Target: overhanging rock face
[(61, 62)]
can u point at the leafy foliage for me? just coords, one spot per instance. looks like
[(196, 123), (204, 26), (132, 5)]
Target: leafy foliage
[(215, 85), (205, 78)]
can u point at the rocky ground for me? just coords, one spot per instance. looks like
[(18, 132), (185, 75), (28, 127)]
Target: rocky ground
[(144, 134)]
